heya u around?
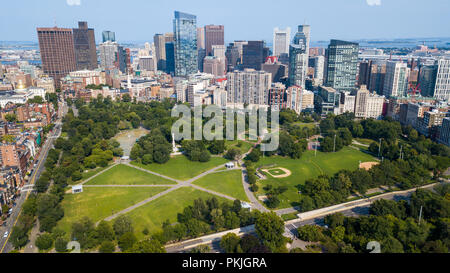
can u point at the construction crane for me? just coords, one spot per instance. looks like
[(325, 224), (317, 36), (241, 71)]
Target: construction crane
[(414, 90)]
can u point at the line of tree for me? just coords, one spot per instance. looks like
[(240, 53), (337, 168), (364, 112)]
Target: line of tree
[(395, 225)]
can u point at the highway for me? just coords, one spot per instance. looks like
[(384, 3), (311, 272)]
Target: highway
[(5, 245)]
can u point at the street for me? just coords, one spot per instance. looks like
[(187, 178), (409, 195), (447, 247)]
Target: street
[(5, 245)]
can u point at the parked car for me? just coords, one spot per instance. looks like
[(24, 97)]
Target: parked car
[(6, 234)]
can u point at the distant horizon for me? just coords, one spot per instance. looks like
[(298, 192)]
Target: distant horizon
[(230, 41)]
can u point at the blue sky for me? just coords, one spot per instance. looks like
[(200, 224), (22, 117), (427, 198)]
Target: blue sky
[(139, 20)]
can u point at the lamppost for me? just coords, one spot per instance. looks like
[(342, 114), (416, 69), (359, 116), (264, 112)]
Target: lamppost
[(379, 149), (334, 149)]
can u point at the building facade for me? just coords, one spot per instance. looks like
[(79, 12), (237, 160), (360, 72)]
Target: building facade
[(342, 65), (185, 36), (85, 49)]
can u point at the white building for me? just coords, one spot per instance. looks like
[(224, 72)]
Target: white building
[(281, 41), (396, 79), (368, 105), (108, 51), (442, 88), (248, 86)]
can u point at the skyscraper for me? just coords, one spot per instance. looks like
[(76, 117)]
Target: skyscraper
[(214, 35), (185, 35), (57, 52), (427, 79), (299, 56), (396, 79), (109, 36), (248, 86), (200, 37), (302, 37), (108, 51), (254, 54), (442, 88), (85, 49), (281, 40), (298, 65), (160, 48), (170, 58), (342, 65)]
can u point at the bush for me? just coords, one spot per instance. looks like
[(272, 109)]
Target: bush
[(107, 247), (44, 241)]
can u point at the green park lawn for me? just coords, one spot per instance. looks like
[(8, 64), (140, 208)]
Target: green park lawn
[(126, 175), (181, 168), (307, 167), (239, 144), (228, 182), (99, 203), (167, 207)]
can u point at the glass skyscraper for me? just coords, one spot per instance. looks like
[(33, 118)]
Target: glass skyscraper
[(186, 55), (109, 36), (299, 57), (342, 65)]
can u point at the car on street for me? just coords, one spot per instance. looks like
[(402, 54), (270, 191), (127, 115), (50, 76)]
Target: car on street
[(6, 234)]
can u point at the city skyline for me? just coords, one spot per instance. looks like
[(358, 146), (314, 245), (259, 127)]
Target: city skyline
[(398, 18)]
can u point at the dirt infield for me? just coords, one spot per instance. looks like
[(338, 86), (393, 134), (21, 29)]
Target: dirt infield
[(368, 165), (287, 172)]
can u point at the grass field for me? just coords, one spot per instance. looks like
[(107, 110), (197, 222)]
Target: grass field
[(125, 175), (99, 203), (229, 183), (309, 167), (93, 172), (239, 144), (308, 125), (181, 168), (155, 213)]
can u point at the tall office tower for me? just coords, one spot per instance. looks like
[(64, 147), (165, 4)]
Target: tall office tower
[(185, 35), (170, 58), (248, 86), (427, 79), (342, 65), (277, 96), (302, 37), (109, 36), (442, 88), (281, 41), (85, 49), (201, 58), (160, 48), (396, 79), (365, 68), (108, 52), (294, 98), (169, 37), (57, 52), (214, 35), (298, 65), (319, 64), (121, 59), (377, 76), (233, 57), (299, 57), (254, 54), (368, 105), (201, 37)]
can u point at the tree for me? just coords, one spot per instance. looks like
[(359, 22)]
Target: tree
[(232, 154), (11, 117), (254, 155), (107, 247), (44, 241), (229, 242), (127, 240), (123, 225), (19, 237), (270, 228), (83, 231), (249, 242), (310, 233), (148, 246), (105, 232), (61, 245), (334, 220)]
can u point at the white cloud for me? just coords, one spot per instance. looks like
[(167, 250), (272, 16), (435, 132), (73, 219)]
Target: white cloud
[(73, 2), (373, 2)]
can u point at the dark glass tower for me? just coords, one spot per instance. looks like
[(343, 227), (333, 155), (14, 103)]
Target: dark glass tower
[(342, 65)]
